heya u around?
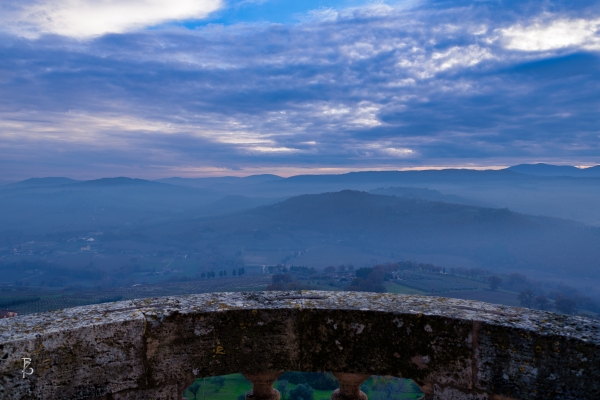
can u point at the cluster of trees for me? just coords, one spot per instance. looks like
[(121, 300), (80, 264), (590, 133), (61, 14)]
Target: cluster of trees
[(533, 294), (562, 303), (300, 392), (303, 270), (545, 296), (239, 272), (207, 275), (411, 266), (494, 282), (285, 281), (342, 268), (306, 383), (281, 268), (472, 273), (529, 299), (369, 279)]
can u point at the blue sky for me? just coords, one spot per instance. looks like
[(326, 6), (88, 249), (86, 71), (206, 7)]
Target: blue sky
[(155, 88)]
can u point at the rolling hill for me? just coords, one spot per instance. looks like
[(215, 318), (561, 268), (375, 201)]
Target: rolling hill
[(50, 205), (493, 238), (569, 197), (425, 194)]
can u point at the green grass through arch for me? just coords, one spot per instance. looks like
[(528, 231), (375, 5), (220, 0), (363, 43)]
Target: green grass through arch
[(230, 387)]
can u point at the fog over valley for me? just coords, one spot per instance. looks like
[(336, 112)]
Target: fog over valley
[(105, 234)]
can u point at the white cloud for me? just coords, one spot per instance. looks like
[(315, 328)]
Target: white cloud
[(401, 152), (460, 57), (554, 35), (363, 114), (264, 149), (76, 127), (88, 18), (321, 14), (385, 149), (424, 64)]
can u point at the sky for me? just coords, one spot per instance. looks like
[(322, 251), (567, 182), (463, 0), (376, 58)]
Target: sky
[(158, 88)]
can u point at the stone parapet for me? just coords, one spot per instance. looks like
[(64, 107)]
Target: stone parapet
[(154, 348)]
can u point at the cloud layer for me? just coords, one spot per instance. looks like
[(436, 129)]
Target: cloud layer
[(88, 18), (377, 86)]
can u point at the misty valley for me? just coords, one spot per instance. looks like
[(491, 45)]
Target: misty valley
[(524, 236)]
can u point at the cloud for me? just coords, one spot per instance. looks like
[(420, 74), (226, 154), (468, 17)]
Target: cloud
[(398, 152), (88, 18), (265, 149), (374, 87), (554, 34)]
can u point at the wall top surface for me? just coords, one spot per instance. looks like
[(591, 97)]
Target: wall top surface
[(29, 326)]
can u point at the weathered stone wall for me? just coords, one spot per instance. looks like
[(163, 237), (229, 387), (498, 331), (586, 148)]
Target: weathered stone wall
[(154, 348)]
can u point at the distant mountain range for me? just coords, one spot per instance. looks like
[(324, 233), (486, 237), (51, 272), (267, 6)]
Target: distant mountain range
[(370, 177), (43, 205), (557, 170), (67, 204), (539, 169), (5, 182), (225, 183), (569, 197), (48, 181), (119, 181)]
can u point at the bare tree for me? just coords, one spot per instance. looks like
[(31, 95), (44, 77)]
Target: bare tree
[(541, 302), (526, 298), (566, 305), (494, 282)]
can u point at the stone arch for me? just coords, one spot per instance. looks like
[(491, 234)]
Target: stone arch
[(153, 348)]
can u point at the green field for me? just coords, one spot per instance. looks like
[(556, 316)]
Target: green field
[(236, 385), (428, 283), (59, 299), (497, 297), (401, 289)]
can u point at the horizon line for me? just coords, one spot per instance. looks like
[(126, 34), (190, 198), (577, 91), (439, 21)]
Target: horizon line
[(283, 172)]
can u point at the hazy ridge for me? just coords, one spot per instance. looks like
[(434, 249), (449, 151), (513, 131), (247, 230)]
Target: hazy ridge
[(497, 220)]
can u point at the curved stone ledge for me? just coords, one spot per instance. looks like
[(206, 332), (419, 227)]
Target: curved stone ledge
[(154, 348)]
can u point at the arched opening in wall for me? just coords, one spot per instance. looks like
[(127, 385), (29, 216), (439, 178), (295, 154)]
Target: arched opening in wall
[(294, 385)]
